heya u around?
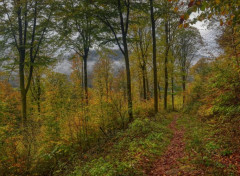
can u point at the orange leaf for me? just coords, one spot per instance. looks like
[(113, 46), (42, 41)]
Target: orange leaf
[(198, 3), (186, 25)]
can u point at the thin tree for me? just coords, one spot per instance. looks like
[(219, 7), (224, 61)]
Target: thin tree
[(78, 31), (117, 20), (141, 46), (25, 24), (189, 41), (154, 56)]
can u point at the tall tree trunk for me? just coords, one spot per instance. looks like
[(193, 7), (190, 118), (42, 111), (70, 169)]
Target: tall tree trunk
[(144, 83), (82, 79), (172, 79), (124, 30), (154, 58), (129, 89), (159, 91), (85, 77), (39, 94), (184, 88), (172, 83), (147, 85), (22, 51), (24, 108), (166, 66), (37, 90), (22, 88)]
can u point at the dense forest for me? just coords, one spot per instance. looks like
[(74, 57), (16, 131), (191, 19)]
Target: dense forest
[(119, 87)]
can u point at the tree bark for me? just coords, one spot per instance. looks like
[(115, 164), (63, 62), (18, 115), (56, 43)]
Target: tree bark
[(38, 81), (129, 89), (172, 79), (144, 83), (124, 30), (23, 92), (184, 88), (154, 58), (85, 77), (159, 91), (147, 85), (166, 66)]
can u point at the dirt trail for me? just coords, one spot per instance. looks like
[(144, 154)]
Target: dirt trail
[(168, 164)]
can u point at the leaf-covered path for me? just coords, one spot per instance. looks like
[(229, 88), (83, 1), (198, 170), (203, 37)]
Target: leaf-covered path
[(169, 164)]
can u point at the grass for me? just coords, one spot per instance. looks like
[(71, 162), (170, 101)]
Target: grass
[(131, 152)]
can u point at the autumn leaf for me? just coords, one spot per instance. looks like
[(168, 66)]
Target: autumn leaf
[(175, 9), (221, 22), (218, 1), (180, 26), (186, 25), (191, 3), (198, 3), (186, 16), (229, 22)]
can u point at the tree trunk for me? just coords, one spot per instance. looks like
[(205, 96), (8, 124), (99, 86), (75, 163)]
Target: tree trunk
[(82, 75), (166, 66), (36, 89), (173, 108), (85, 77), (144, 83), (24, 108), (172, 83), (129, 89), (159, 91), (22, 88), (154, 58), (184, 88), (124, 30), (147, 85)]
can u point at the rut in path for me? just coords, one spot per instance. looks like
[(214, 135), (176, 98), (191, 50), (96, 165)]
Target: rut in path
[(169, 164)]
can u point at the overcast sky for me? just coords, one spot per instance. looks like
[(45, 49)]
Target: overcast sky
[(209, 33)]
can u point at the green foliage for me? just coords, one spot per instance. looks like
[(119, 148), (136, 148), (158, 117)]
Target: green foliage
[(214, 96)]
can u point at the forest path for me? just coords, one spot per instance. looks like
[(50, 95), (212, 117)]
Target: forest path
[(169, 164)]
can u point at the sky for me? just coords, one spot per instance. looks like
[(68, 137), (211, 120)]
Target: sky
[(209, 32)]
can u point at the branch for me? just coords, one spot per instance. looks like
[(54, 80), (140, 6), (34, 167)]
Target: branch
[(127, 18), (37, 50), (107, 23), (25, 25), (11, 28)]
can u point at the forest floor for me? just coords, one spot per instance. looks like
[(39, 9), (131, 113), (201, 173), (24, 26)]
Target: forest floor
[(195, 150), (170, 163), (174, 144)]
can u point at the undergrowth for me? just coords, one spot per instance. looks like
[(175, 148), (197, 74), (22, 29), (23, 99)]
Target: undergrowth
[(204, 149), (131, 152)]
